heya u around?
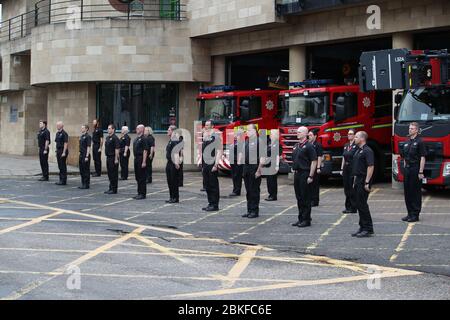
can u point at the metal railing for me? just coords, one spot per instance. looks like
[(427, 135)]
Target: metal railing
[(48, 12)]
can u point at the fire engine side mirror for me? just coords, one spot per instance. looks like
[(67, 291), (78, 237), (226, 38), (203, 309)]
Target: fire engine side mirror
[(339, 114), (396, 111), (398, 98)]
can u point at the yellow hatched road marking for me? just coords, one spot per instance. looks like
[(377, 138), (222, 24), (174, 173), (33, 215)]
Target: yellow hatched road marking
[(60, 271)]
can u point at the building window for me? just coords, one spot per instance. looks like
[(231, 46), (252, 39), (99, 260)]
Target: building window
[(350, 102), (169, 9), (254, 103), (151, 104)]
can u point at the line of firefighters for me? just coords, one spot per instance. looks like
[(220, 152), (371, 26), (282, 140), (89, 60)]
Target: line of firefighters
[(249, 163)]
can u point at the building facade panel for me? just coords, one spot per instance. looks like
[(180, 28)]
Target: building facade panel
[(209, 17), (140, 50), (337, 25)]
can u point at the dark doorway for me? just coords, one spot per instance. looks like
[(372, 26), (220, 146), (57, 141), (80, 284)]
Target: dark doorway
[(252, 71), (432, 40), (340, 61)]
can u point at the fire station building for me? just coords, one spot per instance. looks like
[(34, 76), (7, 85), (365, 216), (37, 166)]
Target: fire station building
[(143, 61)]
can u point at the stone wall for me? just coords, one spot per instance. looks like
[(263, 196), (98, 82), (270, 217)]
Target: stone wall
[(12, 133), (110, 50), (74, 104), (337, 25), (209, 17)]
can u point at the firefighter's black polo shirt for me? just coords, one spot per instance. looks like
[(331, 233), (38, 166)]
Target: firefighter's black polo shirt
[(111, 144), (212, 139), (125, 141), (362, 159), (303, 155), (413, 150), (85, 142), (349, 153), (61, 137), (139, 146), (43, 135), (96, 136), (169, 149)]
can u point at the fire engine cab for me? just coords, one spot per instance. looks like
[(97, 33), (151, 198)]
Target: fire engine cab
[(424, 77), (231, 109), (334, 109)]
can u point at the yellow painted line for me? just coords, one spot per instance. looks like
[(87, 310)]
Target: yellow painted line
[(373, 192), (19, 208), (402, 242), (30, 223), (325, 191), (114, 221), (130, 199), (214, 213), (315, 244), (293, 284), (160, 248), (68, 234), (60, 271), (262, 222), (425, 202), (243, 262), (140, 276)]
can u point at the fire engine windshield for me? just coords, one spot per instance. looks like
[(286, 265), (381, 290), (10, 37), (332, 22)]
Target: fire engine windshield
[(426, 104), (220, 110), (305, 110)]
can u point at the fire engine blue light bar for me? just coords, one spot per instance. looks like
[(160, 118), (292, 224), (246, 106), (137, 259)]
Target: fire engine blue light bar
[(217, 89), (310, 83)]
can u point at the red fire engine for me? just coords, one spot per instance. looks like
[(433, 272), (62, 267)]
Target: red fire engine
[(424, 75), (334, 109), (231, 109)]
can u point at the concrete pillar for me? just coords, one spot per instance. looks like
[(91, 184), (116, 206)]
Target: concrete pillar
[(399, 40), (218, 71), (297, 63), (402, 40)]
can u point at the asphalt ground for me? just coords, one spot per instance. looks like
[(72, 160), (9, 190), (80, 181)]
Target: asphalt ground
[(65, 243)]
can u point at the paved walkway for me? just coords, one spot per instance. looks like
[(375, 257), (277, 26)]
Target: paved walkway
[(11, 165)]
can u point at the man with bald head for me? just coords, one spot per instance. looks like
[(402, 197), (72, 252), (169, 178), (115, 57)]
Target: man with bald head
[(304, 163), (140, 151), (62, 151), (363, 168)]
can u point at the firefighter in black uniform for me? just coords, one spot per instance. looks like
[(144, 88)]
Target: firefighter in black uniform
[(97, 142), (252, 171), (125, 142), (43, 137), (346, 171), (316, 178), (273, 148), (112, 151), (413, 153), (148, 133), (140, 162), (211, 153), (173, 164), (62, 151), (304, 164), (181, 173), (236, 167), (84, 161), (363, 168)]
